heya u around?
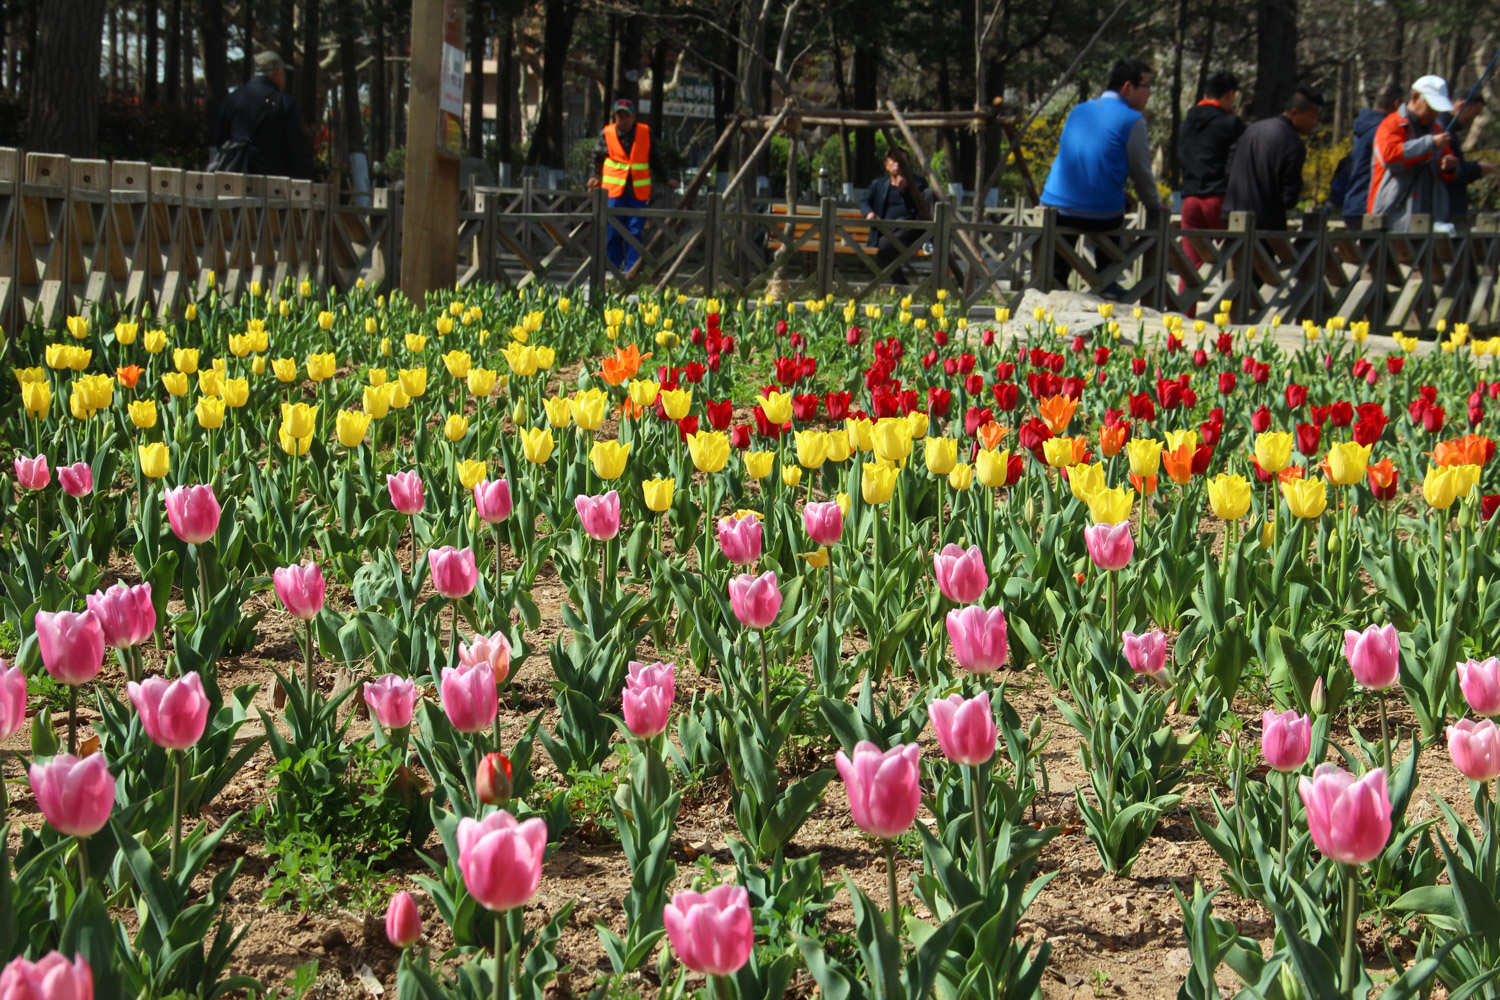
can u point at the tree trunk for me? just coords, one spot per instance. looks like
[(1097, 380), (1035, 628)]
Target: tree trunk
[(215, 70), (547, 146), (505, 86), (33, 30), (113, 27), (403, 82), (307, 69), (658, 85), (627, 69), (354, 127), (1174, 178), (1398, 45), (63, 112), (174, 52), (866, 66), (247, 34), (479, 40), (286, 30), (1275, 56), (153, 32), (380, 95)]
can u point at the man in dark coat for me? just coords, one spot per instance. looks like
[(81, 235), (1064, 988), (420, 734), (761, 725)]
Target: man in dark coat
[(1469, 171), (1208, 134), (263, 115), (896, 195), (1265, 173), (1365, 123)]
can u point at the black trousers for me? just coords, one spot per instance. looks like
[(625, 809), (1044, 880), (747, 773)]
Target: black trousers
[(886, 250), (1060, 266)]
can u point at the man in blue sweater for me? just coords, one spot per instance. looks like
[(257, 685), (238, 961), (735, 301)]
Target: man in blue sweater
[(1365, 123), (1103, 142)]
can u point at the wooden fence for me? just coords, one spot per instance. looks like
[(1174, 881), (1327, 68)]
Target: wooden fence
[(143, 237)]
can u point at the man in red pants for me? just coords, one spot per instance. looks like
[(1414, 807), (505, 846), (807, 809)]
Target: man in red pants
[(1207, 134)]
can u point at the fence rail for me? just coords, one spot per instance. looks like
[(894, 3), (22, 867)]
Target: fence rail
[(74, 231)]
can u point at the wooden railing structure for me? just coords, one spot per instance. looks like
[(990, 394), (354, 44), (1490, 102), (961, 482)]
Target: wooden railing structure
[(74, 231)]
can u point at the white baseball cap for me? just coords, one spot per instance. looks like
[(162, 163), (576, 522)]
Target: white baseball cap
[(1434, 89)]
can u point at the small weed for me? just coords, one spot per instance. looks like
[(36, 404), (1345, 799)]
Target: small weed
[(41, 687), (1099, 982)]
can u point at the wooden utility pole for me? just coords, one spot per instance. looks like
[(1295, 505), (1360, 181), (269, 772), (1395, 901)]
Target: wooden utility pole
[(429, 233)]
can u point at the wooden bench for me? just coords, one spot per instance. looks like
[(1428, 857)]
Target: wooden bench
[(805, 222)]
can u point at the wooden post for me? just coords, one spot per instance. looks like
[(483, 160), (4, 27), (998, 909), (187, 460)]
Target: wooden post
[(1244, 284), (429, 236)]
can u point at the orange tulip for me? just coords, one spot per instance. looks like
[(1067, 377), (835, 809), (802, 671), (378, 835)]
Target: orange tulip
[(1291, 472), (1144, 485), (1057, 411), (1178, 462), (630, 410), (1382, 476), (1471, 449), (991, 434), (129, 375), (623, 365), (1112, 438)]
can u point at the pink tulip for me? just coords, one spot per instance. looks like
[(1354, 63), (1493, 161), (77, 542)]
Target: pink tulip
[(961, 573), (1285, 740), (1110, 545), (883, 787), (469, 697), (75, 796), (125, 613), (824, 522), (173, 713), (965, 729), (52, 977), (492, 500), (600, 515), (1475, 749), (193, 512), (77, 480), (739, 539), (1374, 655), (755, 599), (406, 491), (500, 859), (1146, 654), (1350, 820), (32, 473), (301, 589), (649, 691), (1480, 683), (453, 571), (12, 700), (493, 649), (403, 924), (712, 933), (979, 636), (72, 645), (391, 699)]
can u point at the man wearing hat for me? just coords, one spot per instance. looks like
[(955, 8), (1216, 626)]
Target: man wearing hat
[(258, 129), (1412, 158), (623, 159)]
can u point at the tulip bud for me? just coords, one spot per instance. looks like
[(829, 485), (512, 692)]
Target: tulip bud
[(1319, 700), (492, 783)]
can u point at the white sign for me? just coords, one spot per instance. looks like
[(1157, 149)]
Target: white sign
[(693, 98), (452, 94)]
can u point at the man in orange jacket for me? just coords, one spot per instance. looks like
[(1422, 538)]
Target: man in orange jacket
[(623, 157), (1412, 158)]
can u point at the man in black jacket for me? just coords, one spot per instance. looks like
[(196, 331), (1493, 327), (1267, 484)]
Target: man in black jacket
[(263, 115), (897, 195), (1208, 134), (1365, 123), (1469, 171), (1265, 172)]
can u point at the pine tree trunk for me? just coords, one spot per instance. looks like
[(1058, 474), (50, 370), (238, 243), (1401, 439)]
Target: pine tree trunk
[(174, 52), (64, 103), (479, 39), (307, 69), (1275, 56), (215, 56), (153, 33), (380, 95)]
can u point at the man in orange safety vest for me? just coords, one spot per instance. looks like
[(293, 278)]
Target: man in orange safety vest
[(624, 162)]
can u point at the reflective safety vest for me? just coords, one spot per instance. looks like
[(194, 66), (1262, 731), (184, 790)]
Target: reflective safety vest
[(633, 168)]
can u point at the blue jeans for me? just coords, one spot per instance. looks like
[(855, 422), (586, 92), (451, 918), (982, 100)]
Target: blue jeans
[(621, 254)]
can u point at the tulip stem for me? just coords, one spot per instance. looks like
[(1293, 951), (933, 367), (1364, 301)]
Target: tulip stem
[(722, 988), (1114, 625), (1442, 575), (1286, 807), (499, 576), (202, 581), (502, 984), (83, 864), (890, 873), (72, 718), (177, 761), (1351, 928), (603, 566), (765, 680), (1385, 736), (307, 657), (982, 870)]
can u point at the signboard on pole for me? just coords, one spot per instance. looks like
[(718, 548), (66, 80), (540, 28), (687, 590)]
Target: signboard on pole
[(451, 82)]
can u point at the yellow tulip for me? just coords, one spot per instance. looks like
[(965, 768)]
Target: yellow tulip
[(321, 366), (155, 341), (185, 359), (154, 459), (258, 364), (812, 449), (470, 472), (709, 450), (413, 381), (758, 464), (304, 288), (240, 344), (481, 382), (791, 476), (351, 426), (236, 392), (99, 390), (609, 458), (210, 412), (210, 382), (455, 427), (536, 443), (377, 376), (861, 431), (125, 333), (1440, 486), (78, 326), (1176, 439), (941, 454), (545, 357), (283, 308), (415, 342), (891, 440), (588, 407), (1468, 478), (878, 483), (1229, 496), (1305, 497), (79, 358), (1347, 461), (559, 411), (1273, 451), (991, 467), (384, 347), (298, 419), (521, 358), (27, 375), (37, 398), (372, 326), (376, 401), (1058, 451), (285, 369), (961, 476), (1144, 455), (777, 406), (643, 391), (292, 444), (142, 413), (676, 402), (398, 397), (1086, 480), (176, 383), (457, 362), (1109, 505), (56, 356), (325, 320), (658, 494)]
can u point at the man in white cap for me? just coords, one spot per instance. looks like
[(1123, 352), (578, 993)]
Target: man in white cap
[(1412, 158), (622, 164)]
